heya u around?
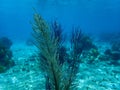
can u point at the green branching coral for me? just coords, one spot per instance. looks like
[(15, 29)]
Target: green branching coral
[(58, 76), (75, 59), (47, 45)]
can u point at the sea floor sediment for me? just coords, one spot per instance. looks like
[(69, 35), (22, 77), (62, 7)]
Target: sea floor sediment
[(25, 75)]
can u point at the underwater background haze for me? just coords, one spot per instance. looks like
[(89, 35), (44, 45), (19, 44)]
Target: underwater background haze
[(92, 16)]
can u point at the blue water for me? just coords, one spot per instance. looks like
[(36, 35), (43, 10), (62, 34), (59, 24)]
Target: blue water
[(93, 16)]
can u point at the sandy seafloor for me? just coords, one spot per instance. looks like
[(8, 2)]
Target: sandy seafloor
[(25, 75)]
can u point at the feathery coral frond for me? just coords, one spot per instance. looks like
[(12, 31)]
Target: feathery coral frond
[(48, 51)]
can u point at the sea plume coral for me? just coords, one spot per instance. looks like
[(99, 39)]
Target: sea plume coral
[(47, 45), (59, 35)]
